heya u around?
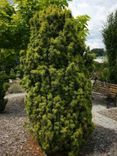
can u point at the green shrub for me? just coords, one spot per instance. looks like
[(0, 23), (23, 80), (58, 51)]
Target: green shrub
[(3, 88), (101, 70), (56, 79)]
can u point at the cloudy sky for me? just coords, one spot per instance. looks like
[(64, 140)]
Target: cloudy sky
[(98, 10)]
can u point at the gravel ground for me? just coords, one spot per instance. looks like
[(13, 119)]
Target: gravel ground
[(111, 113), (103, 141), (15, 141)]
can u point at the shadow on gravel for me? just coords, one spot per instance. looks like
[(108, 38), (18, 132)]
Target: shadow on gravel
[(99, 99), (102, 142), (15, 107)]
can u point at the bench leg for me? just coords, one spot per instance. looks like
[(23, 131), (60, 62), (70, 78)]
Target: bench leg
[(108, 102), (115, 101)]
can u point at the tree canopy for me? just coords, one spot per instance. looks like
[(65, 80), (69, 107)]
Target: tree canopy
[(110, 40), (98, 52), (14, 20), (15, 32), (6, 11)]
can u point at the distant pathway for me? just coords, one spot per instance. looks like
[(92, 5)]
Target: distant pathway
[(9, 96), (102, 120)]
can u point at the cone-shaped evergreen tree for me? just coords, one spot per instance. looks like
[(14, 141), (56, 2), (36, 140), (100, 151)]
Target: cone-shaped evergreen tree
[(58, 99)]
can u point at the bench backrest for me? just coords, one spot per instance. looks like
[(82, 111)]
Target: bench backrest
[(105, 88), (112, 89)]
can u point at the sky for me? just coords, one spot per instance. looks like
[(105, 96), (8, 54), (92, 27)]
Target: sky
[(98, 10)]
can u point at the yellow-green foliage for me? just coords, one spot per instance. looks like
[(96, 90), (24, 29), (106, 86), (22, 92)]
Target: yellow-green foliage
[(58, 99)]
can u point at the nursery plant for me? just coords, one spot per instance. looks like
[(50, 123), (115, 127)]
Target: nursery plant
[(56, 68)]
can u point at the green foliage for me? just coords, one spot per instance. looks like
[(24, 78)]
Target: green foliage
[(6, 12), (56, 79), (14, 20), (5, 18), (8, 60), (98, 52), (101, 71), (3, 88), (15, 30), (25, 11), (110, 40)]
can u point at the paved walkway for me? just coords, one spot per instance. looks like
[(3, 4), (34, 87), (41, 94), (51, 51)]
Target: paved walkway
[(102, 120), (17, 95)]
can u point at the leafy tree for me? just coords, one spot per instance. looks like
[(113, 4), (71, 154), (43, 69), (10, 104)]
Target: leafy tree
[(6, 12), (101, 71), (98, 51), (15, 30), (56, 79), (14, 21), (5, 18), (8, 60), (110, 40)]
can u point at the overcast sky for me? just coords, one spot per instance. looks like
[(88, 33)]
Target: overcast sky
[(98, 10)]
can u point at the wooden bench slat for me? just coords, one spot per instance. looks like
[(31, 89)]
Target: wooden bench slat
[(108, 89)]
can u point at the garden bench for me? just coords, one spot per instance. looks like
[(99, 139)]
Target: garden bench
[(107, 89)]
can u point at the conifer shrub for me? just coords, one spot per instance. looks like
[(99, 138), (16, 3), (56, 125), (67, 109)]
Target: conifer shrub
[(56, 77)]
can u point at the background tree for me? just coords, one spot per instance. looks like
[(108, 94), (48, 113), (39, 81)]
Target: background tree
[(5, 18), (15, 30), (14, 21), (6, 11), (98, 52), (8, 60), (110, 40), (57, 81)]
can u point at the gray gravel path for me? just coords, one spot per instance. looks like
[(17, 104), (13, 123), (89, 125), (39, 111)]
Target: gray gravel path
[(103, 141), (99, 105), (104, 121), (13, 135), (14, 140)]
